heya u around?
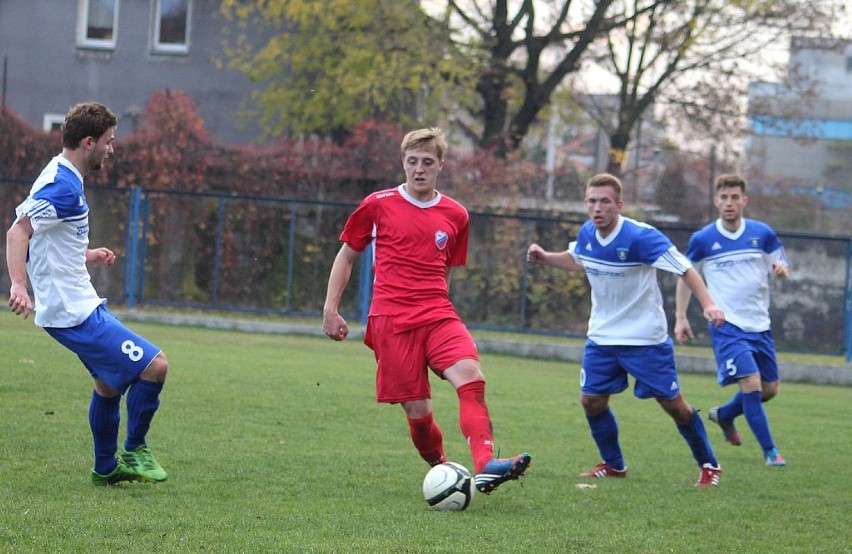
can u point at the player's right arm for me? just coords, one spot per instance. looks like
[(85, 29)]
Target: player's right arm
[(333, 325), (17, 244), (538, 255)]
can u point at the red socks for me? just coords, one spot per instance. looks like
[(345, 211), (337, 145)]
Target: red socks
[(428, 439), (475, 423)]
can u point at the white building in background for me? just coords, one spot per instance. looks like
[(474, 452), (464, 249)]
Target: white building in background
[(804, 142)]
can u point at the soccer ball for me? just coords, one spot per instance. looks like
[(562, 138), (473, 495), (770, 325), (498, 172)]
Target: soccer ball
[(448, 487)]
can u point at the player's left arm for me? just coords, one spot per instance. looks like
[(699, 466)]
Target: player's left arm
[(775, 255), (778, 263), (780, 270), (674, 261), (712, 313), (458, 252), (682, 329)]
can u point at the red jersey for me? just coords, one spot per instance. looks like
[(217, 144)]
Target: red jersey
[(413, 244)]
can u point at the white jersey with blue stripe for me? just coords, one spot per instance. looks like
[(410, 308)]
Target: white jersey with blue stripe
[(736, 267), (627, 306), (56, 261)]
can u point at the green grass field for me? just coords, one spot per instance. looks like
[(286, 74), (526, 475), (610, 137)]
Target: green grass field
[(275, 444)]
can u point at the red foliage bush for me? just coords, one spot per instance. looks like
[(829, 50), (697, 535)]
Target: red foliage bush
[(23, 149), (172, 151)]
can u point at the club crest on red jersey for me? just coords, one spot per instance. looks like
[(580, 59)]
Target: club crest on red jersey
[(441, 239)]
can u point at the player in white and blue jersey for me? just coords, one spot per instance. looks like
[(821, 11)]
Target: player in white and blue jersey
[(736, 256), (49, 243), (628, 331)]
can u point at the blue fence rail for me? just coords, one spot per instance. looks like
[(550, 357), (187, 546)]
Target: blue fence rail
[(272, 255)]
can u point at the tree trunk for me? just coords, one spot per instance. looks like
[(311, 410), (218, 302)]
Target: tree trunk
[(618, 142)]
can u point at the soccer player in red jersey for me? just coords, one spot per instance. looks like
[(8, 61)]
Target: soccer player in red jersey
[(418, 235)]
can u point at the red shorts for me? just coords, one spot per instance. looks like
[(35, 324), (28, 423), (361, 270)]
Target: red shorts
[(402, 358)]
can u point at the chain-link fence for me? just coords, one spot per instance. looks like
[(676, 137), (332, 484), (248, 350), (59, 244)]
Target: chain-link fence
[(274, 255)]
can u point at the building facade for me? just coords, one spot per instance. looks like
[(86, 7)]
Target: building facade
[(803, 141), (56, 53)]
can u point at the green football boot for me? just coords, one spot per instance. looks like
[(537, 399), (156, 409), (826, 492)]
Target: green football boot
[(142, 461), (122, 472)]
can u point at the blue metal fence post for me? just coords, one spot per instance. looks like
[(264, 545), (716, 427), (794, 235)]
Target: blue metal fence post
[(365, 283), (131, 242), (847, 320)]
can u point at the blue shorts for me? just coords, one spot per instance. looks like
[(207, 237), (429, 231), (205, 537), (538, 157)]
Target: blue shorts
[(109, 350), (741, 353), (605, 370)]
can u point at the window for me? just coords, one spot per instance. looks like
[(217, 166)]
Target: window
[(171, 26), (52, 122), (96, 23)]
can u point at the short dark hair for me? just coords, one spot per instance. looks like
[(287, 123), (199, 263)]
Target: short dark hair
[(88, 119), (730, 180)]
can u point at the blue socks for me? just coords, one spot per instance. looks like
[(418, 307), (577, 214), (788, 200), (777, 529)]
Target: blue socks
[(104, 419), (605, 432), (733, 408), (755, 415), (696, 437), (750, 405), (143, 399)]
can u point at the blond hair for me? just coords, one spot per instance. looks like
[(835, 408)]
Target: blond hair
[(422, 139), (605, 180)]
